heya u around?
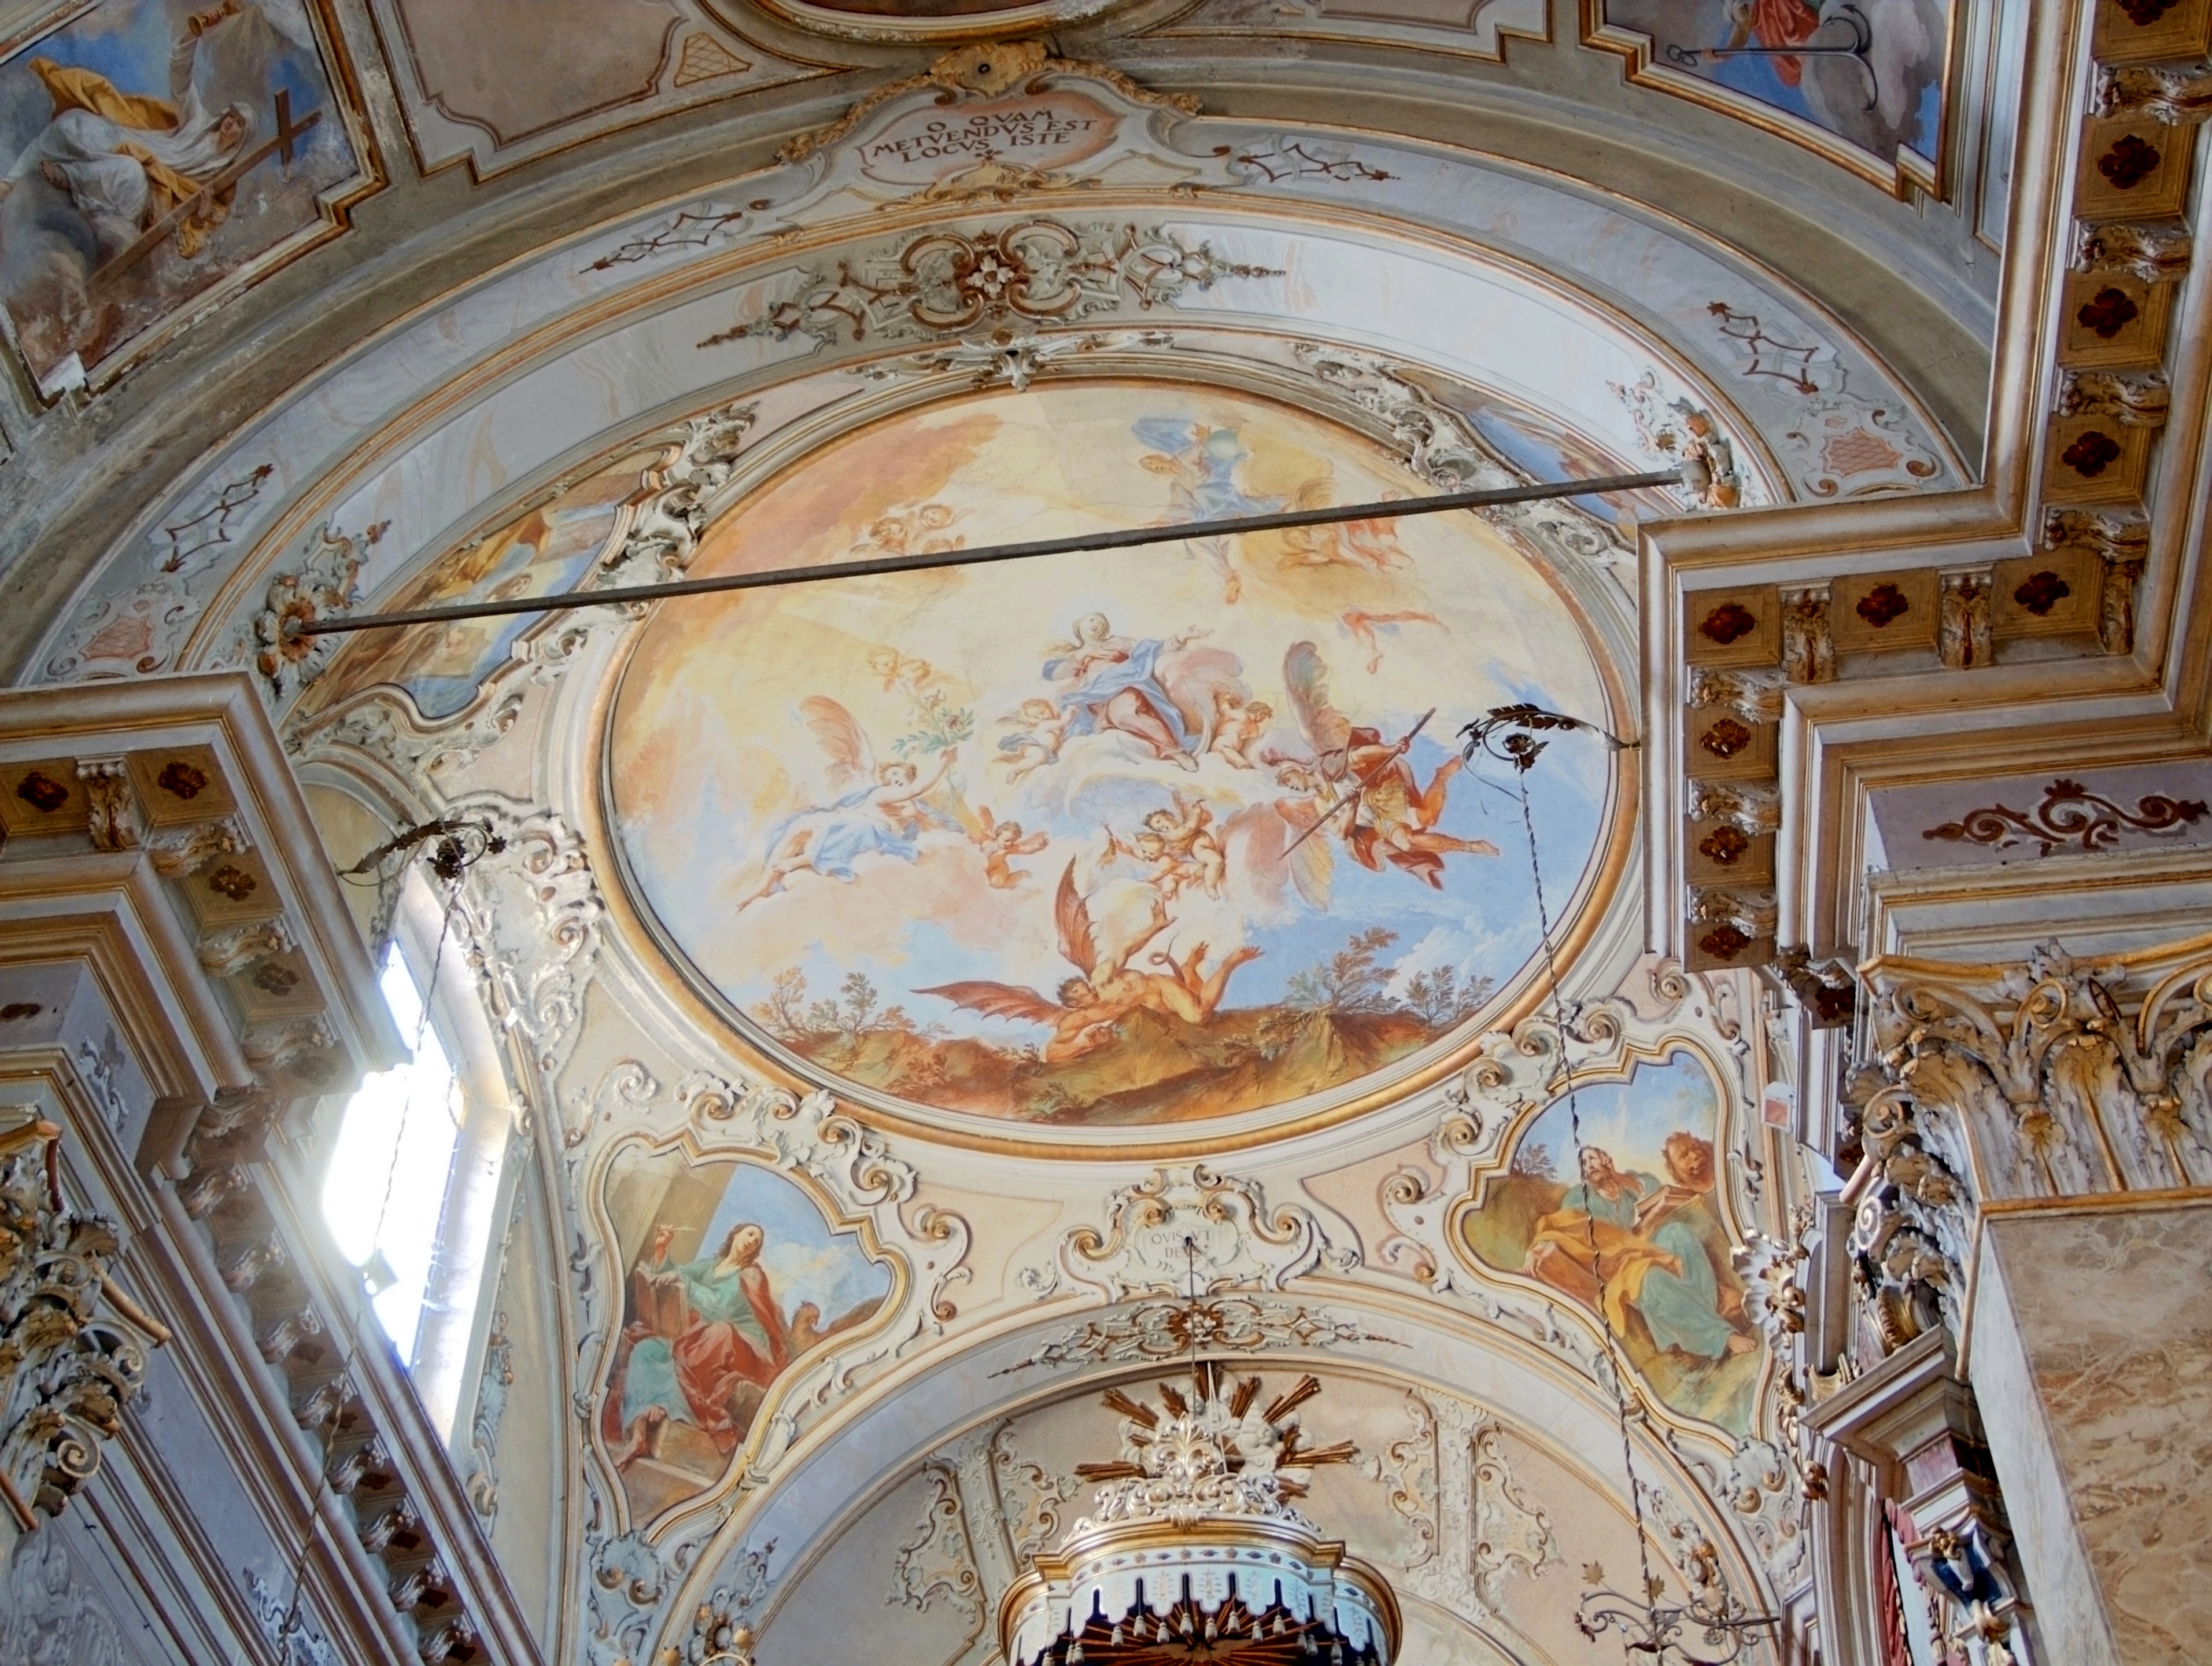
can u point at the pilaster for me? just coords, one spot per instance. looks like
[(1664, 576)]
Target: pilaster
[(2033, 1198)]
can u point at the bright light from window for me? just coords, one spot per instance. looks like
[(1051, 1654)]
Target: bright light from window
[(385, 1189)]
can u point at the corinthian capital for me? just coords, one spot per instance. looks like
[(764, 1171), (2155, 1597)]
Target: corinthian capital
[(67, 1365), (2052, 1078)]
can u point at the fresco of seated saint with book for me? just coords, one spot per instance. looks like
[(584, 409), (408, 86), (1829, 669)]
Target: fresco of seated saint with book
[(733, 1277)]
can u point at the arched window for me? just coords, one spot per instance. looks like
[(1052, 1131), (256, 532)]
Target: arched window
[(385, 1188), (413, 1180)]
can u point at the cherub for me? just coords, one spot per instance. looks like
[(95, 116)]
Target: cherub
[(882, 812), (1373, 544), (1168, 873), (1043, 729), (1366, 546), (1091, 1004), (1000, 843), (1237, 726), (897, 671), (1188, 833), (913, 532)]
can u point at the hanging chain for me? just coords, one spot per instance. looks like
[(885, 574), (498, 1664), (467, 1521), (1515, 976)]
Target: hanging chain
[(1523, 755), (1508, 734)]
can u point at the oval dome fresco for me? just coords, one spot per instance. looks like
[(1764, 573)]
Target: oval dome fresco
[(1109, 840)]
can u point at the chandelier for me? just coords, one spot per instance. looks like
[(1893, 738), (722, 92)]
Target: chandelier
[(1194, 1552)]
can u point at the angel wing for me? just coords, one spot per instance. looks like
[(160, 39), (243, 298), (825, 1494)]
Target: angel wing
[(840, 739), (1194, 677), (945, 799), (1258, 840), (1306, 546), (1312, 864), (999, 1000), (1071, 915), (1327, 731)]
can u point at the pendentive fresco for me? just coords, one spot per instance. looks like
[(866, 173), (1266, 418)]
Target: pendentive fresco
[(730, 1274)]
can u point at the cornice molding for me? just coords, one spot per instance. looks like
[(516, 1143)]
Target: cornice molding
[(216, 956)]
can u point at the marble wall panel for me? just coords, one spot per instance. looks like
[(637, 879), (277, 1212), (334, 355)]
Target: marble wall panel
[(2092, 1361)]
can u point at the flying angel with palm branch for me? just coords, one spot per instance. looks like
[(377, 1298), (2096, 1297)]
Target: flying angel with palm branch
[(1360, 787), (878, 808)]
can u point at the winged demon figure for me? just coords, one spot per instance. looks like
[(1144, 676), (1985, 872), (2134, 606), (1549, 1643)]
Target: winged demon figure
[(1105, 989)]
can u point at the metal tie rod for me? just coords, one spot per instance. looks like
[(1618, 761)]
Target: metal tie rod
[(1132, 538)]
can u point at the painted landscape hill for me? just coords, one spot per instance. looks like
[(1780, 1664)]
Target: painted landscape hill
[(1343, 1019)]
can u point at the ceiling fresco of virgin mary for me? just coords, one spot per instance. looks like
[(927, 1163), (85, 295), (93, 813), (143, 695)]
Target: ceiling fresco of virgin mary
[(1101, 841)]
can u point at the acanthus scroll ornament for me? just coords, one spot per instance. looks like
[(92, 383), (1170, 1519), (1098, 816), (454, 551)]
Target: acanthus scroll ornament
[(2157, 253), (112, 807), (1963, 628), (1192, 1232), (67, 1365), (534, 913), (663, 533), (180, 854), (2054, 1079), (2175, 93), (718, 1634), (1440, 448), (1808, 643), (936, 1562), (2133, 398), (1181, 1327), (1037, 269), (1750, 696), (2069, 814), (1468, 1520), (323, 583)]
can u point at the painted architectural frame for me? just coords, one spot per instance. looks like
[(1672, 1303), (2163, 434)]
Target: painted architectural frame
[(142, 192), (699, 1314), (1870, 86), (1690, 1331)]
